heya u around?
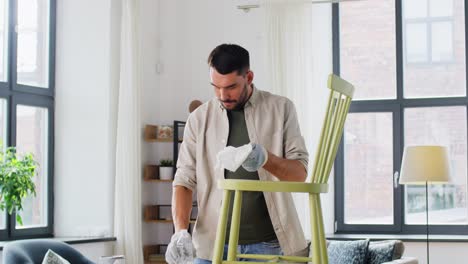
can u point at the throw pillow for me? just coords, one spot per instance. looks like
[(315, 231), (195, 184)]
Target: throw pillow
[(380, 251), (348, 252), (53, 258), (399, 249)]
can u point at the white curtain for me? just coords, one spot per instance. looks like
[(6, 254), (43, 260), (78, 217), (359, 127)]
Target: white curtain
[(298, 61), (289, 47), (127, 216)]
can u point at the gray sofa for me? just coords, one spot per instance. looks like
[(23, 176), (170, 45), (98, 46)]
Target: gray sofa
[(398, 253), (32, 251)]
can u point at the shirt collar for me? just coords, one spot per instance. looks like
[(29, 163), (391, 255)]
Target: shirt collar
[(254, 97)]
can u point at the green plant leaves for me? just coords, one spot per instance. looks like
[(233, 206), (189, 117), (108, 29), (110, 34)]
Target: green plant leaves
[(16, 180), (166, 163)]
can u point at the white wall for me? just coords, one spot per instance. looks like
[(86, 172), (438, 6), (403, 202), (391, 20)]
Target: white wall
[(453, 253), (84, 151)]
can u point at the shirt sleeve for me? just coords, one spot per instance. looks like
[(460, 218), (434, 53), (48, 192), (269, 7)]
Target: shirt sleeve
[(294, 144), (186, 162)]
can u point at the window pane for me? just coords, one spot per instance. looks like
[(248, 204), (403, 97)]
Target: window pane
[(440, 8), (365, 62), (32, 134), (415, 8), (439, 126), (368, 168), (416, 42), (3, 40), (442, 41), (437, 76), (33, 43)]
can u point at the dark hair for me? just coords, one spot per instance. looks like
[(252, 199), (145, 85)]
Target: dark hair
[(227, 58)]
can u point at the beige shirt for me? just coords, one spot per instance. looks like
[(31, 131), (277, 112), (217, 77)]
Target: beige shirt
[(272, 122)]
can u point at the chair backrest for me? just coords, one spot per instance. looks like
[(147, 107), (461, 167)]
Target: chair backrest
[(341, 93), (32, 251)]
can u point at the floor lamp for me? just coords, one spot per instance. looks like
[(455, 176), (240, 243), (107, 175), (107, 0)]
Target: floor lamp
[(425, 165)]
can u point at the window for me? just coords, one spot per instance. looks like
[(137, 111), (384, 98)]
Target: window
[(27, 37), (428, 31), (407, 60)]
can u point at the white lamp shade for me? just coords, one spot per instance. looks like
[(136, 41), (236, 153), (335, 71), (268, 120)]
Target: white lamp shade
[(423, 164)]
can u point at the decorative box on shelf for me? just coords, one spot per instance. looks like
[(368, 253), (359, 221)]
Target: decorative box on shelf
[(154, 253), (151, 212), (158, 213), (151, 173), (159, 133)]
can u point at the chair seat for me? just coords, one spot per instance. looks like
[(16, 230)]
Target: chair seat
[(271, 186), (270, 258), (273, 258)]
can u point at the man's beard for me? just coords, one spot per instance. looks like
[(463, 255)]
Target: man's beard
[(242, 99)]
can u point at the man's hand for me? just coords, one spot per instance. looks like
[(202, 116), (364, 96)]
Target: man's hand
[(180, 250), (256, 159)]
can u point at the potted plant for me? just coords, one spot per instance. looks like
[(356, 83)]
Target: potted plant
[(165, 169), (16, 180)]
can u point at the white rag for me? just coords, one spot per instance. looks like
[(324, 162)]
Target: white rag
[(231, 158)]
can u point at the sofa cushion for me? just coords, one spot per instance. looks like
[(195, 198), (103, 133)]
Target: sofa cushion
[(347, 252), (380, 251)]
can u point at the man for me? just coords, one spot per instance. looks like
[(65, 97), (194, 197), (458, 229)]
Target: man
[(240, 114)]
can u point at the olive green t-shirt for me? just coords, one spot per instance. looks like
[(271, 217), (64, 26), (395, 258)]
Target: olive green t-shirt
[(255, 223)]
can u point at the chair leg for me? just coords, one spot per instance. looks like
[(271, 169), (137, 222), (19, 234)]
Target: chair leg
[(323, 242), (235, 225), (221, 230), (315, 233)]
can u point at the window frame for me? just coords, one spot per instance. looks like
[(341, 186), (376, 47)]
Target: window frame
[(15, 94), (397, 107)]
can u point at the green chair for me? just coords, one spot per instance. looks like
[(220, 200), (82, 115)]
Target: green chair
[(332, 130)]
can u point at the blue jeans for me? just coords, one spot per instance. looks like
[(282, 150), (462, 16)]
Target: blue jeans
[(267, 248)]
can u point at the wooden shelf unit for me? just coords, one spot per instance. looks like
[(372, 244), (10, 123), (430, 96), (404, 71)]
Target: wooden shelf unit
[(154, 254), (158, 180), (152, 213)]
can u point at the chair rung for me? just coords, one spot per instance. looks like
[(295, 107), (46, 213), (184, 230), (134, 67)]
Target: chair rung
[(251, 262), (274, 258)]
